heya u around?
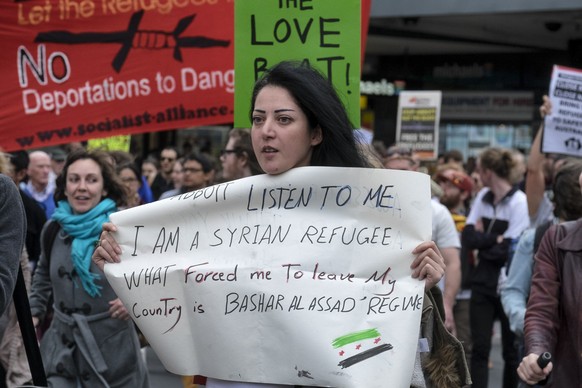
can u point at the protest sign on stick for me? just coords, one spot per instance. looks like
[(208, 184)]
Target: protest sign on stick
[(563, 128), (300, 279)]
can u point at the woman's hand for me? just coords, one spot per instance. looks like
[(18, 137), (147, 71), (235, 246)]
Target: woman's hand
[(428, 265), (118, 310), (546, 107), (529, 370), (108, 250)]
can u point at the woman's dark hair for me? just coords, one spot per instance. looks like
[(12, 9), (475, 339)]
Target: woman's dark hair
[(567, 203), (111, 183), (121, 157), (204, 161), (130, 166), (243, 145), (498, 160), (318, 99), (153, 160), (19, 160)]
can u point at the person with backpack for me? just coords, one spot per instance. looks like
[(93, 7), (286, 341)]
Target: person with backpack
[(567, 207), (91, 342), (552, 320)]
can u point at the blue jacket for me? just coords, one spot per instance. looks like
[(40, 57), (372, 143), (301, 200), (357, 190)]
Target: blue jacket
[(515, 293)]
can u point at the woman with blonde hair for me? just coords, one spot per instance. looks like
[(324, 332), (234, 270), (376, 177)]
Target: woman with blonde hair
[(497, 218)]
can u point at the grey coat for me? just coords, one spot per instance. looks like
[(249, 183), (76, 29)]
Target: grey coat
[(84, 346), (12, 234)]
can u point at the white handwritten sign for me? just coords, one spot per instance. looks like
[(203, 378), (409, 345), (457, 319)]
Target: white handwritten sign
[(302, 278), (563, 128)]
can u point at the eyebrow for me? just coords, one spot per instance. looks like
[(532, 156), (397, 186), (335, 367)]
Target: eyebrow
[(75, 175), (276, 110)]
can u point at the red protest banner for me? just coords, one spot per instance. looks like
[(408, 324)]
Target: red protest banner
[(365, 15), (74, 70)]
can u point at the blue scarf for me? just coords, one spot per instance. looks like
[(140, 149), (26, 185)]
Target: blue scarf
[(85, 229)]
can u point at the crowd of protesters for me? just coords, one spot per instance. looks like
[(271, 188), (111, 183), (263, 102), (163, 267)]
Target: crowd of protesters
[(52, 185), (490, 213)]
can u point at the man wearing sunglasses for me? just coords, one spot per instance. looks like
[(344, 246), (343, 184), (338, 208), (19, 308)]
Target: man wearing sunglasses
[(163, 181)]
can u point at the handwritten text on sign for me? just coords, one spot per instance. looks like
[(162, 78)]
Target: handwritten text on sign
[(302, 278), (323, 33)]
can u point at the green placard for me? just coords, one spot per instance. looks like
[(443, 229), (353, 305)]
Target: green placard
[(113, 143), (324, 32)]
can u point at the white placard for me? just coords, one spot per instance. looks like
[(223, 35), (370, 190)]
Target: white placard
[(302, 278), (563, 128)]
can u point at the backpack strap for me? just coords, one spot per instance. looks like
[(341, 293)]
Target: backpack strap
[(48, 238), (540, 230)]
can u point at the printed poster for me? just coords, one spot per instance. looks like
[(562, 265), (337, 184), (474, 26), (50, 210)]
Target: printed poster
[(75, 70), (417, 125), (563, 128)]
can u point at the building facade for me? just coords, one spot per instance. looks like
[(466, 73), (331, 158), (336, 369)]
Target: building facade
[(492, 60)]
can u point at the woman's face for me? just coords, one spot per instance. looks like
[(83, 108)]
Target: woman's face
[(130, 180), (477, 184), (84, 185), (280, 132), (484, 174), (149, 170), (177, 174)]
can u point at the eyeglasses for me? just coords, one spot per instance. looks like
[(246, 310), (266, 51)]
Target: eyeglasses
[(168, 159), (191, 170), (226, 152)]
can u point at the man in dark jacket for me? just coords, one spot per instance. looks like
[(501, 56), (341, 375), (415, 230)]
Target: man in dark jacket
[(35, 215)]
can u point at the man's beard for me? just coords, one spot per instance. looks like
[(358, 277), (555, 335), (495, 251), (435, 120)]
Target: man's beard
[(451, 201)]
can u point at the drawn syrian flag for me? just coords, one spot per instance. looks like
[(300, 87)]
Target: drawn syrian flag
[(359, 346)]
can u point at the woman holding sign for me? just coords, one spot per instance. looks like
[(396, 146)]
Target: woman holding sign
[(91, 341), (298, 120)]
